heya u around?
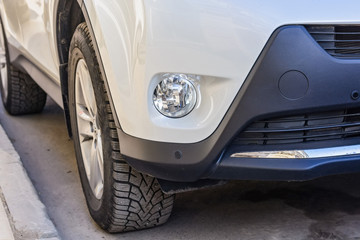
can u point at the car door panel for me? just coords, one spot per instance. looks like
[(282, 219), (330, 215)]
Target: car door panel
[(37, 27)]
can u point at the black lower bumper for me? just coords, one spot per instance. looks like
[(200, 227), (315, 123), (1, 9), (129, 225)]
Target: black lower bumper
[(324, 83)]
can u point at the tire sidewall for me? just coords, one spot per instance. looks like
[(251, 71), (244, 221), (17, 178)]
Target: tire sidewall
[(80, 49)]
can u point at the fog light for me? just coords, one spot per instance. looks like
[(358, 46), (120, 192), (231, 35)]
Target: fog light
[(175, 95)]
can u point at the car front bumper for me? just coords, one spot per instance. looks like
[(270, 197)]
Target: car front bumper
[(329, 83)]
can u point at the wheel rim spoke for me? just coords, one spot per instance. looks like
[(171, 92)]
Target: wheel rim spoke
[(3, 65), (84, 114), (87, 89), (99, 152), (95, 171), (4, 79), (85, 134), (93, 166), (2, 58), (86, 156), (85, 129), (88, 130)]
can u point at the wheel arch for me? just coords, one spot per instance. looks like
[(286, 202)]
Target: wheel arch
[(70, 13), (68, 16)]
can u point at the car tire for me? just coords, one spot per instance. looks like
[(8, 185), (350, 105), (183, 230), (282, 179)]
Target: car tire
[(129, 200), (19, 92)]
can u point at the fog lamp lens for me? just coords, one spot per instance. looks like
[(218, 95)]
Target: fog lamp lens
[(175, 95)]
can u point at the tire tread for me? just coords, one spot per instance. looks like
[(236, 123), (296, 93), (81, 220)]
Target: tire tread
[(24, 96)]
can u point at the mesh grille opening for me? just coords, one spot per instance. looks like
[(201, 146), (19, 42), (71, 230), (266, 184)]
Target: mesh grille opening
[(302, 128), (341, 41)]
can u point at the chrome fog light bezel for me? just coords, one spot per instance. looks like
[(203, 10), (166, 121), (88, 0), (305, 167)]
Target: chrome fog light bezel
[(169, 98)]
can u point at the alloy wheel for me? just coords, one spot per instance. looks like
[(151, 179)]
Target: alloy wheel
[(89, 129)]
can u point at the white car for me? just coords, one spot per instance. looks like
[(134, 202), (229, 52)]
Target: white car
[(168, 96)]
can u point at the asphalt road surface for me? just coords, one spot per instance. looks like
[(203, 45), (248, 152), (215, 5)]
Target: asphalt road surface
[(327, 208)]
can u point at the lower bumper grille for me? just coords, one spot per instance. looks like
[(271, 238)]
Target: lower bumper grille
[(341, 41), (302, 128)]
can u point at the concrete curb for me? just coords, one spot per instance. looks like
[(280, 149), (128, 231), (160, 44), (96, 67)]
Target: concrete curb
[(6, 232), (26, 213)]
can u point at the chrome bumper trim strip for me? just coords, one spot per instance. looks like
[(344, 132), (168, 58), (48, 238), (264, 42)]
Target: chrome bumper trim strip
[(311, 153)]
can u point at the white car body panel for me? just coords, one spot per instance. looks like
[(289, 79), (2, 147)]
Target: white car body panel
[(35, 33), (217, 40), (221, 39), (38, 31), (30, 26)]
